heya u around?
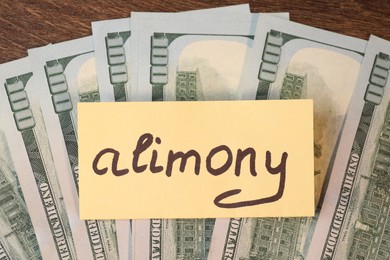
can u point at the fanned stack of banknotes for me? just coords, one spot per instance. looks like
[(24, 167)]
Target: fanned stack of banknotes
[(216, 54)]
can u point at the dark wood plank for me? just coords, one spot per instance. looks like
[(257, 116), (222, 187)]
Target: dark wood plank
[(27, 24)]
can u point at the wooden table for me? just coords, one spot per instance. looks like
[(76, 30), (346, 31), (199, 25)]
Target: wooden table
[(27, 23)]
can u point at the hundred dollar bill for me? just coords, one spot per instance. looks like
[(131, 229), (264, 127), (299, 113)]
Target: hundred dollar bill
[(25, 132), (291, 61), (212, 47), (17, 234), (111, 40), (64, 75), (354, 219), (204, 45), (170, 238)]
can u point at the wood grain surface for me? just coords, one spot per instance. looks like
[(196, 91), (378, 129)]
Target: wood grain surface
[(27, 24)]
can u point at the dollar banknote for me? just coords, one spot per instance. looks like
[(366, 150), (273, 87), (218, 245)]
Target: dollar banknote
[(212, 47), (204, 45), (26, 136), (64, 75), (168, 238), (111, 39), (354, 219), (17, 234), (291, 61)]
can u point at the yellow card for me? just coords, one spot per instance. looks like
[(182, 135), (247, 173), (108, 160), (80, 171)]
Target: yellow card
[(196, 159)]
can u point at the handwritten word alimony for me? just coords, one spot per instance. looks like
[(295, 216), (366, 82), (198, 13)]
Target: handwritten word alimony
[(146, 140)]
